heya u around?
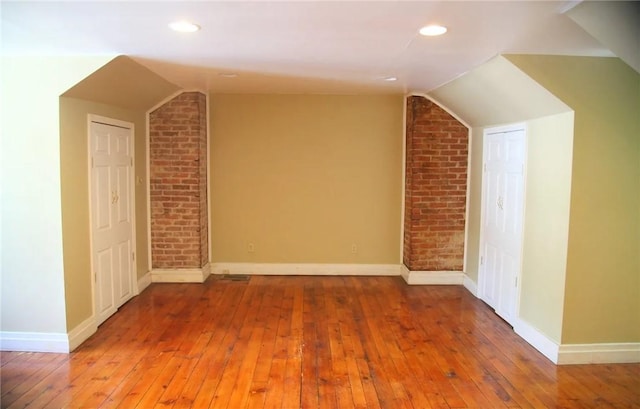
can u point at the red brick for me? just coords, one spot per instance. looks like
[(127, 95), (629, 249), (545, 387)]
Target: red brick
[(179, 236), (435, 187)]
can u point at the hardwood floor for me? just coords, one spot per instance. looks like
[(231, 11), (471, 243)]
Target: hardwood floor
[(308, 342)]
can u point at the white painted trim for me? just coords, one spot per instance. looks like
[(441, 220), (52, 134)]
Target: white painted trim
[(307, 269), (537, 339), (434, 278), (111, 121), (403, 181), (134, 223), (570, 354), (511, 127), (443, 106), (209, 190), (467, 193), (148, 188), (82, 332), (175, 94), (34, 342), (144, 282), (185, 275), (206, 271), (617, 353), (470, 285), (404, 272)]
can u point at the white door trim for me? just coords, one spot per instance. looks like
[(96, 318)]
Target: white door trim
[(93, 118), (481, 270)]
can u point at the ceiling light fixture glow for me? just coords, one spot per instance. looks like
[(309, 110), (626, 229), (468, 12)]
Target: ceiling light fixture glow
[(433, 30), (390, 79), (183, 26), (228, 74)]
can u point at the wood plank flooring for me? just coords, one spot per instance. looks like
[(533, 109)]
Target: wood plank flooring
[(308, 342)]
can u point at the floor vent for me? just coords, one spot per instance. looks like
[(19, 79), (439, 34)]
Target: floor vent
[(235, 277)]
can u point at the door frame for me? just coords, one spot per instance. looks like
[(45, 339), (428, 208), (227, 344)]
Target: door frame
[(481, 266), (134, 273)]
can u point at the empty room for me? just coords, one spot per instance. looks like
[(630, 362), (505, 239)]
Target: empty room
[(320, 204)]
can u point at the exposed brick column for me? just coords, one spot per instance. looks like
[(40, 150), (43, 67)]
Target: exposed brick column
[(178, 176), (436, 185)]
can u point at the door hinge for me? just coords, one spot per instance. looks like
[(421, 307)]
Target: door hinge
[(131, 161), (92, 163), (133, 256), (485, 167), (481, 260), (516, 281), (95, 277)]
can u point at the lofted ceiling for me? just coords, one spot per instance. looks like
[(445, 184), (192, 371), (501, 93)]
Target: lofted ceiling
[(298, 46)]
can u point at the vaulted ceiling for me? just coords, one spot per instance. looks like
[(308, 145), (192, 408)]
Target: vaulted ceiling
[(312, 46)]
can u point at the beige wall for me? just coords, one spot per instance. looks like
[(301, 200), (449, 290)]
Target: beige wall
[(546, 219), (499, 93), (32, 293), (304, 177), (474, 204), (121, 89), (581, 259), (75, 200), (546, 222), (602, 296)]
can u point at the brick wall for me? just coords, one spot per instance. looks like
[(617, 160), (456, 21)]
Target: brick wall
[(178, 176), (436, 184)]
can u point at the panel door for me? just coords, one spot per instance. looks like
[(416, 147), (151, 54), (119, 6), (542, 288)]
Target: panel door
[(503, 200), (111, 214), (123, 232)]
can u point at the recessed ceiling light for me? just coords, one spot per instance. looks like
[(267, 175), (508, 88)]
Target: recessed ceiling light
[(183, 26), (390, 79), (228, 74), (433, 30)]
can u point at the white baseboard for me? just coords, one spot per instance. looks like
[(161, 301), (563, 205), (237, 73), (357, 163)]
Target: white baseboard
[(470, 285), (537, 339), (185, 275), (404, 272), (432, 277), (144, 282), (206, 271), (82, 332), (568, 354), (306, 269), (599, 353), (34, 342)]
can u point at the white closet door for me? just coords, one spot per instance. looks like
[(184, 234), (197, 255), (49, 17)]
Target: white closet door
[(111, 216), (502, 220)]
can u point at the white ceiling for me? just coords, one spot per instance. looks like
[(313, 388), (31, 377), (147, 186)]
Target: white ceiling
[(299, 46)]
